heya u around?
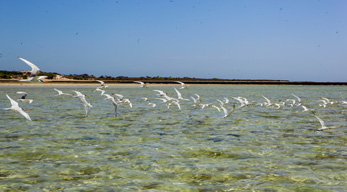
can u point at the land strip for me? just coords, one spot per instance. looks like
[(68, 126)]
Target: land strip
[(190, 81)]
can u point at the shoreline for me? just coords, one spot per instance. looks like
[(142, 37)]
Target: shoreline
[(4, 82)]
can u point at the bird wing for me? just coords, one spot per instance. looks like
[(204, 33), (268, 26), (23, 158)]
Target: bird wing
[(305, 108), (21, 92), (298, 98), (102, 83), (13, 102), (178, 93), (20, 110), (231, 110), (30, 79), (34, 69), (320, 121), (119, 95), (79, 94), (42, 77), (24, 94), (179, 82), (59, 92), (194, 100), (139, 82), (225, 111), (267, 100)]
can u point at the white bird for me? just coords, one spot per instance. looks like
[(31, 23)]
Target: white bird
[(143, 85), (23, 98), (292, 102), (102, 84), (221, 103), (41, 77), (324, 104), (120, 97), (109, 97), (213, 106), (204, 105), (322, 123), (183, 86), (179, 95), (278, 105), (126, 102), (243, 101), (176, 103), (34, 72), (15, 107), (328, 100), (101, 90), (197, 100), (226, 112), (226, 100), (305, 108), (82, 97), (151, 104), (268, 102), (60, 93), (160, 93), (299, 100)]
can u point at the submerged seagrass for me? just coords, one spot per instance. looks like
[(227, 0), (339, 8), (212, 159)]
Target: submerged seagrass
[(155, 148)]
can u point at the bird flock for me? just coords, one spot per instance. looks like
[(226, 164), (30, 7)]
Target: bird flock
[(226, 106)]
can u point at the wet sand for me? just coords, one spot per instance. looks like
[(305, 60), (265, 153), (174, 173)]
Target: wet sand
[(166, 82)]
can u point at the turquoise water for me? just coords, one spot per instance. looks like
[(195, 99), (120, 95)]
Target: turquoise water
[(258, 148)]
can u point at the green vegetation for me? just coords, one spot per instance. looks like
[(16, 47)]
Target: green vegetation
[(24, 75), (53, 76), (10, 74)]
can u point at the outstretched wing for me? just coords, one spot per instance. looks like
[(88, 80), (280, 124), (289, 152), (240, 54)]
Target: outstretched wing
[(13, 102), (20, 110), (34, 69), (102, 83)]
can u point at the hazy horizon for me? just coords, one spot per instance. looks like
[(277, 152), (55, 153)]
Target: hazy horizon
[(277, 40)]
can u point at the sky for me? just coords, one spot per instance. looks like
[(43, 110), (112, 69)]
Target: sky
[(229, 39)]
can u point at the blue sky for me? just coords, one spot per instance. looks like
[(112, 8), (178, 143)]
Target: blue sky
[(287, 40)]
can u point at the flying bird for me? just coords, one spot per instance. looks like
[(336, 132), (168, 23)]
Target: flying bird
[(305, 108), (226, 112), (60, 93), (23, 98), (183, 86), (33, 73), (82, 97), (102, 84), (143, 85), (179, 95), (101, 90), (109, 97), (321, 123), (15, 107)]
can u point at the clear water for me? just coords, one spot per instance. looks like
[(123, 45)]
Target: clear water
[(161, 149)]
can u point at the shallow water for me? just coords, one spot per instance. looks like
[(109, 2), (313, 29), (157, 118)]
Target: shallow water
[(159, 149)]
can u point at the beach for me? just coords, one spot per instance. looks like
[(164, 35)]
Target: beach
[(5, 82)]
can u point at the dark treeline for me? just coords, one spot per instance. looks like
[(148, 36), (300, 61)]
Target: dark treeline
[(85, 78), (25, 74)]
